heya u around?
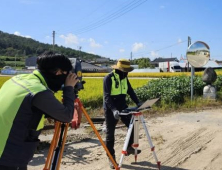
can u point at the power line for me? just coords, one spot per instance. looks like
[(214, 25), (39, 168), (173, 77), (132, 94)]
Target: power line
[(107, 15), (93, 11), (171, 45), (130, 6), (112, 18), (141, 53), (89, 14)]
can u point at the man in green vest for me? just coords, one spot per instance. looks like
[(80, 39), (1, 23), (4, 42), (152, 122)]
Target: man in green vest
[(115, 88), (25, 100)]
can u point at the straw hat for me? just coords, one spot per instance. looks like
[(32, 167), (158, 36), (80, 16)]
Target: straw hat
[(123, 65)]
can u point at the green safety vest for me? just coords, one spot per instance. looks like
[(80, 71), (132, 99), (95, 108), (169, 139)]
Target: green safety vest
[(122, 85), (12, 95)]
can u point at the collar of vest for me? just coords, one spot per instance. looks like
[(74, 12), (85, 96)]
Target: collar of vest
[(115, 74), (39, 75)]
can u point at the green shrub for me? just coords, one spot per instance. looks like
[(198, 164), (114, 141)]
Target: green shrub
[(174, 89)]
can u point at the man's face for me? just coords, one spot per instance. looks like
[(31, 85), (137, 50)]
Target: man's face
[(56, 80), (60, 72), (121, 73)]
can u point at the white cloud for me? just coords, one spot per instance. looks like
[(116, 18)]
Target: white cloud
[(19, 34), (137, 46), (28, 36), (122, 50), (154, 54), (93, 43), (179, 40), (70, 39), (91, 52), (106, 42)]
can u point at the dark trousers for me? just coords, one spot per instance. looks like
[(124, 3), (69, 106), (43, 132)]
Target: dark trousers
[(110, 129), (12, 167)]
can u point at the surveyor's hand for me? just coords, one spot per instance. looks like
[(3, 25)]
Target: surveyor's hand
[(116, 114), (71, 80)]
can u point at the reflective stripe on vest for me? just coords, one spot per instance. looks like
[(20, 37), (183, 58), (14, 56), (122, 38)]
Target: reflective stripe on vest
[(118, 87)]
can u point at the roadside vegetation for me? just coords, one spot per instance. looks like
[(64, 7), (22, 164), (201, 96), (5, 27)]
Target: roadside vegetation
[(174, 92)]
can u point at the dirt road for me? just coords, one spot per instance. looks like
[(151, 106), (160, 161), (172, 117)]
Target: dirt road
[(183, 141)]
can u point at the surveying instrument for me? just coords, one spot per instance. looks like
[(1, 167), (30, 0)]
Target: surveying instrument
[(59, 138), (134, 123)]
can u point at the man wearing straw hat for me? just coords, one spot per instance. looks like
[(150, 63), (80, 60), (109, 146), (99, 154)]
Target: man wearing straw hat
[(115, 88)]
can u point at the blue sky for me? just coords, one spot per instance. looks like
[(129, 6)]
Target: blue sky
[(115, 28)]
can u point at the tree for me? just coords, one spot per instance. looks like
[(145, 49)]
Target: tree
[(141, 62), (144, 63), (10, 45), (2, 63)]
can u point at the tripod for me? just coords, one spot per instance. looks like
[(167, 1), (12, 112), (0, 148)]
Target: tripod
[(136, 115), (57, 145)]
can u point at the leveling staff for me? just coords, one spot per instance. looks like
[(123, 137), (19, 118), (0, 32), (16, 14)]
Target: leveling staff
[(115, 88), (25, 100)]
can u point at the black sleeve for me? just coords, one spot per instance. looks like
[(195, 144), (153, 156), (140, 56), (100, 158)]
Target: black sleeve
[(46, 102), (107, 84), (132, 93)]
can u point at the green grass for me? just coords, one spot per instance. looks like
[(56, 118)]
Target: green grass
[(91, 98)]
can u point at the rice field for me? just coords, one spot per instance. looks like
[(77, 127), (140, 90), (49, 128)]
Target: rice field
[(151, 75), (92, 94)]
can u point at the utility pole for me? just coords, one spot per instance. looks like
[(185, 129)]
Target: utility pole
[(53, 37), (80, 47), (189, 43), (192, 72)]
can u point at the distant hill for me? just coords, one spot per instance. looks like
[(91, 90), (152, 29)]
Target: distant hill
[(13, 45)]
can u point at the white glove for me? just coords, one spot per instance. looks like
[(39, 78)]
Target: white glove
[(116, 114)]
